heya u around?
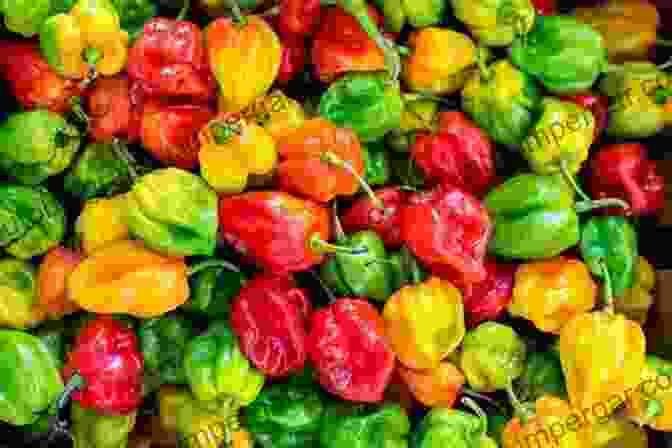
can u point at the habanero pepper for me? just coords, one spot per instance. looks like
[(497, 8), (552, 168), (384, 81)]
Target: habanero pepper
[(598, 105), (487, 300), (298, 17), (437, 387), (113, 111), (52, 274), (293, 59), (637, 301)]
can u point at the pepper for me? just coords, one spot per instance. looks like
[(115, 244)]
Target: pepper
[(55, 337), (113, 110), (460, 154), (404, 269), (91, 429), (546, 7), (542, 376), (300, 18), (133, 14), (85, 42), (293, 59), (286, 416), (550, 292), (419, 114), (19, 307), (455, 232), (376, 163), (440, 62), (278, 349), (364, 426), (106, 360), (217, 370), (33, 83), (437, 387), (145, 284), (249, 43), (637, 301), (651, 402), (565, 55), (100, 222), (31, 382), (424, 323), (488, 299), (496, 24), (598, 105), (418, 14), (163, 341), (36, 145), (32, 221), (296, 226), (611, 239), (212, 290), (278, 114), (348, 348), (364, 102), (617, 431), (25, 17), (625, 171), (52, 274), (232, 149), (174, 212)]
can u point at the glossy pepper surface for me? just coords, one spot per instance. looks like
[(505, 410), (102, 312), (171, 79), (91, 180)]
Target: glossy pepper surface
[(425, 322), (107, 357), (542, 376), (651, 402), (437, 387), (552, 291), (19, 307), (101, 221), (637, 301), (300, 18), (293, 59), (377, 170), (495, 24), (163, 341), (598, 105), (114, 110), (25, 17), (349, 350), (51, 282), (91, 429), (419, 14), (488, 299), (278, 114), (452, 427)]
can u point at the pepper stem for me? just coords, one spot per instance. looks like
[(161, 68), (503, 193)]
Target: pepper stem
[(198, 267), (74, 383), (410, 97), (476, 395), (668, 63), (238, 16), (585, 206), (571, 181), (482, 64), (404, 51), (184, 11), (338, 228), (271, 12), (318, 245), (522, 412), (121, 151), (333, 159), (78, 111), (608, 289), (471, 404), (653, 408)]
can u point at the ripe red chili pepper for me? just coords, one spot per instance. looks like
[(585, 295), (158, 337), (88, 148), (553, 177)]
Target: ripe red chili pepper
[(275, 345), (546, 7), (348, 348), (32, 81), (298, 17), (112, 110), (624, 171), (365, 215), (293, 58), (488, 299), (460, 154), (598, 105), (170, 60), (448, 229), (106, 356)]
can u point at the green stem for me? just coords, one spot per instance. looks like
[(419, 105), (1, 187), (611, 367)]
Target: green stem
[(585, 206), (122, 153), (523, 413), (571, 181), (608, 289), (333, 159), (184, 11), (471, 404), (665, 65), (78, 111), (272, 12), (476, 395), (207, 264), (404, 51), (318, 245), (482, 66), (338, 228), (238, 16), (410, 97)]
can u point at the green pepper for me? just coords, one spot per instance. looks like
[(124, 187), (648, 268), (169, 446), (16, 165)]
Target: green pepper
[(376, 163), (212, 290), (286, 416), (54, 337), (496, 424), (503, 101), (364, 101), (495, 23), (31, 381), (36, 144), (25, 16), (565, 55), (612, 240), (134, 13), (93, 430), (420, 114), (542, 376), (163, 341), (417, 13), (216, 369), (364, 426), (174, 212), (493, 355), (32, 221), (405, 270), (18, 295)]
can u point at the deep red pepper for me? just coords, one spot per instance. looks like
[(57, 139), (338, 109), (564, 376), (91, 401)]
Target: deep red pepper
[(33, 83), (448, 229), (112, 111), (270, 317), (298, 17), (488, 299), (546, 7), (170, 60), (106, 356), (598, 105), (460, 154), (348, 349), (365, 215), (293, 58), (624, 171)]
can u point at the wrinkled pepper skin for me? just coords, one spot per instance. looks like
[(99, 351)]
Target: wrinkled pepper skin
[(637, 301), (451, 427), (91, 429), (294, 222), (212, 291), (52, 275), (19, 307), (542, 376), (424, 323), (656, 374), (488, 299), (364, 426), (598, 105), (495, 24), (621, 360), (286, 416), (552, 291), (349, 350), (145, 284), (163, 341), (418, 14), (113, 111), (456, 254), (438, 387), (37, 144), (278, 114), (492, 356), (418, 115), (101, 221), (216, 369), (539, 207), (278, 349), (31, 378), (32, 221), (299, 17), (565, 55), (625, 171), (364, 215), (107, 357)]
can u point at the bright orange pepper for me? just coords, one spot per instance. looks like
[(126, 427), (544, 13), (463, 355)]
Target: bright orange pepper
[(52, 274), (437, 387)]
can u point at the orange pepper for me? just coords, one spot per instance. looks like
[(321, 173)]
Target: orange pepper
[(437, 387), (52, 275)]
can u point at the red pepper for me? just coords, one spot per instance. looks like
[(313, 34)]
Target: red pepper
[(546, 7), (598, 105), (298, 17), (170, 132), (113, 112), (32, 81), (106, 357), (170, 60), (488, 299), (276, 346), (624, 171), (448, 229), (274, 229), (460, 154), (365, 215), (348, 348), (293, 58)]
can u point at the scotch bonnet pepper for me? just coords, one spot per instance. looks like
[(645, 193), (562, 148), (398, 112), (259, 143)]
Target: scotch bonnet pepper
[(495, 24), (419, 114), (19, 306), (488, 299), (25, 17), (637, 301), (598, 105), (212, 290), (437, 387), (377, 170), (300, 18), (418, 14), (163, 341), (542, 376), (101, 221), (91, 429), (114, 110), (651, 402), (52, 275)]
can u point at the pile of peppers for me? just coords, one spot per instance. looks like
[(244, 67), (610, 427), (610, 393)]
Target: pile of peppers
[(330, 224)]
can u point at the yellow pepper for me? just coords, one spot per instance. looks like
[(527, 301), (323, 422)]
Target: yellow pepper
[(617, 432), (550, 292), (637, 301), (651, 402), (101, 222), (231, 150), (276, 113), (425, 322)]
